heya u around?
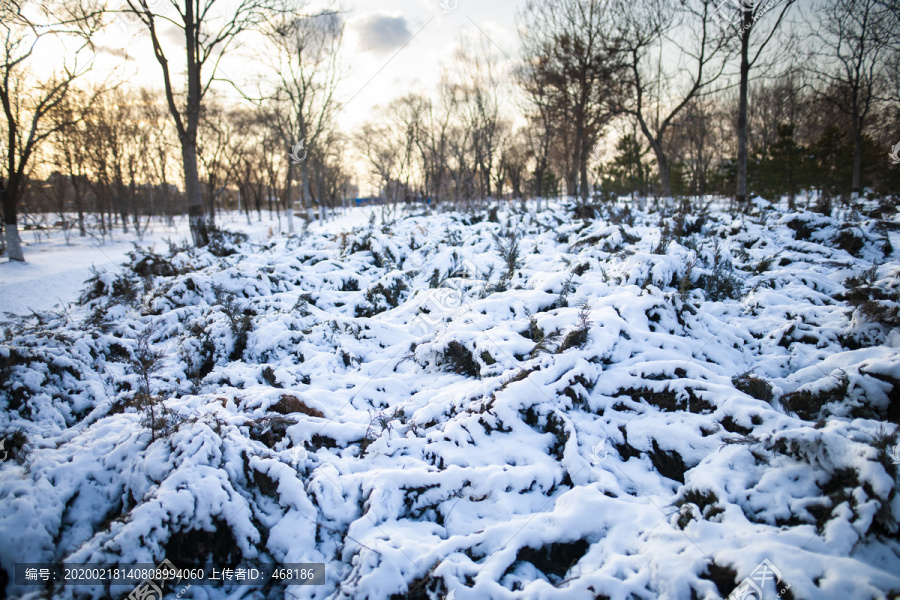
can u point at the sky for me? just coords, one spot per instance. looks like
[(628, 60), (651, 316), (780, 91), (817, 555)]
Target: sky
[(398, 46), (391, 48)]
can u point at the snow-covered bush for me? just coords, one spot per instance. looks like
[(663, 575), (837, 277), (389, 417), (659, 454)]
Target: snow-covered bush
[(586, 419)]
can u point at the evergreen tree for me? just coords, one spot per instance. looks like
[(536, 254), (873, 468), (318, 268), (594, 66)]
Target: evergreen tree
[(832, 156), (784, 170), (628, 173), (549, 187)]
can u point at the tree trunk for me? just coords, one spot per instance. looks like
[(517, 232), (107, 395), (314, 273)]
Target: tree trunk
[(246, 199), (211, 209), (288, 198), (11, 227), (584, 174), (199, 227), (662, 161), (120, 199), (741, 193), (79, 207), (539, 179), (572, 180), (701, 177), (13, 244), (307, 200), (857, 159), (665, 176), (540, 173)]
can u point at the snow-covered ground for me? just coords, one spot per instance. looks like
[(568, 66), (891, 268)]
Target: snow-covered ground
[(55, 270), (626, 406)]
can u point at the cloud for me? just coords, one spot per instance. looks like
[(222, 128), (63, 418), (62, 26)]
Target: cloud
[(382, 33)]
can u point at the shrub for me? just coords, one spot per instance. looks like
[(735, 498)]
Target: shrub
[(808, 405), (555, 559), (706, 502), (849, 240), (563, 300), (720, 283), (578, 337), (146, 263), (117, 289), (239, 319), (508, 249), (224, 243), (381, 297), (460, 359), (268, 375), (876, 301), (753, 386), (288, 404), (145, 360), (665, 239)]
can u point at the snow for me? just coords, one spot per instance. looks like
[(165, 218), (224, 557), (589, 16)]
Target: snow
[(54, 271), (379, 398)]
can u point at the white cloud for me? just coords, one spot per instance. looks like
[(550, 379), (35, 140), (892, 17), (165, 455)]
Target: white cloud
[(381, 33)]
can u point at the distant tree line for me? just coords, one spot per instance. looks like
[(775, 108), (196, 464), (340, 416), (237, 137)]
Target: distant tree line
[(656, 98), (647, 98), (110, 155)]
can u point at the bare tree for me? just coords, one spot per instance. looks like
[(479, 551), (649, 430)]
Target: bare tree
[(661, 90), (273, 166), (214, 154), (692, 143), (539, 136), (514, 162), (328, 173), (572, 67), (775, 103), (404, 117), (854, 43), (754, 36), (499, 173), (479, 89), (303, 104), (57, 191), (160, 142), (461, 168), (116, 144), (70, 149), (432, 139), (249, 176), (209, 29), (28, 101), (388, 147)]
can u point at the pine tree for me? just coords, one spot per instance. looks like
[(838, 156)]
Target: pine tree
[(628, 173)]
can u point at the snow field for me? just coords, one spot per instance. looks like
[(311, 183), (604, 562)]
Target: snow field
[(636, 409)]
